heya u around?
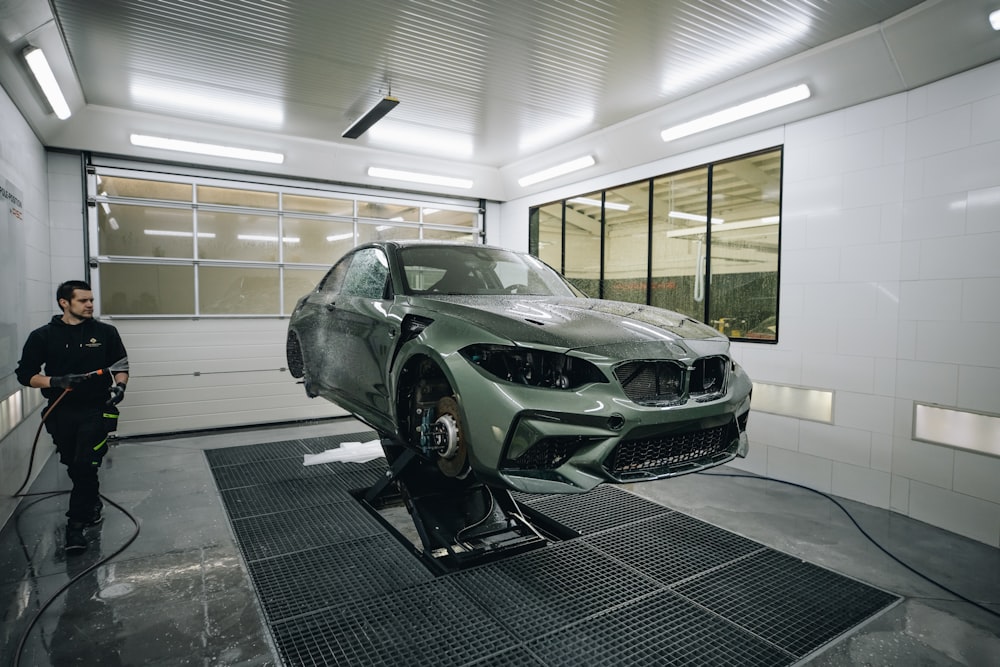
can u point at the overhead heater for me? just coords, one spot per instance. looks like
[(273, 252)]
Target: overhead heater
[(372, 116)]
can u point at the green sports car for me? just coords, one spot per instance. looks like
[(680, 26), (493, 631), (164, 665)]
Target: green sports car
[(485, 361)]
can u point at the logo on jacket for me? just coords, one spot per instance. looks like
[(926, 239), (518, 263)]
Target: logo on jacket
[(93, 342)]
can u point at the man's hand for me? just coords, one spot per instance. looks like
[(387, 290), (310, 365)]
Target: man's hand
[(117, 394), (67, 381)]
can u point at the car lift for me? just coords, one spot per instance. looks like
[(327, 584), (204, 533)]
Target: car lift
[(461, 521)]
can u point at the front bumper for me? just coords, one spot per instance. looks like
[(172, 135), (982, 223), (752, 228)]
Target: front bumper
[(581, 439)]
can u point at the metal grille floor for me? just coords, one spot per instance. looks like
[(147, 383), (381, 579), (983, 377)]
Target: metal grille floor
[(641, 585)]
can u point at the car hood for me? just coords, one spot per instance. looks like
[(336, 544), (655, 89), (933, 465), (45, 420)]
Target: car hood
[(570, 322)]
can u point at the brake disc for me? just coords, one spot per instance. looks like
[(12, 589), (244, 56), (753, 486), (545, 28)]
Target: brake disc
[(449, 439)]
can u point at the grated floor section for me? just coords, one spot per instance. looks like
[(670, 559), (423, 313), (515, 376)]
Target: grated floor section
[(642, 585)]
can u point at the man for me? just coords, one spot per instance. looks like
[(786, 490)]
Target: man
[(72, 348)]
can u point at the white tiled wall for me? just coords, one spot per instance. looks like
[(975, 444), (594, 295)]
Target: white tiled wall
[(28, 295), (890, 294)]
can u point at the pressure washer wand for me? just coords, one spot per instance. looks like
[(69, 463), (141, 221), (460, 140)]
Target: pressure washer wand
[(120, 366)]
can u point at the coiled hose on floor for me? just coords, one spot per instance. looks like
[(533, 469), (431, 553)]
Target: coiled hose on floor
[(52, 494)]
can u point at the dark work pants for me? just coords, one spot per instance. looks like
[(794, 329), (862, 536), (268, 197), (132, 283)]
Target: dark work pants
[(81, 438)]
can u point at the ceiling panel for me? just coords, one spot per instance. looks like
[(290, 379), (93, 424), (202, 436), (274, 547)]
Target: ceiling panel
[(509, 79)]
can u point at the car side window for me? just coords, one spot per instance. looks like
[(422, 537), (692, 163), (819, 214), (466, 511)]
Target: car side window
[(334, 278), (367, 274)]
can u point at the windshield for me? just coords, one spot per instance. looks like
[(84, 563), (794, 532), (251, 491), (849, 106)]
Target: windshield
[(477, 271)]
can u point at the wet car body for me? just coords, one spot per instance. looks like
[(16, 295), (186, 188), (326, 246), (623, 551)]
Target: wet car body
[(511, 374)]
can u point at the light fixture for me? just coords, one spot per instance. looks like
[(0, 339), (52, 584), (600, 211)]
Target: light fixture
[(694, 217), (267, 239), (206, 149), (39, 66), (558, 170), (415, 177), (738, 112), (372, 116), (171, 232), (340, 237), (610, 205), (995, 19)]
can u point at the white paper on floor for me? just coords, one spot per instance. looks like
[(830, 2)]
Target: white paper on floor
[(357, 452)]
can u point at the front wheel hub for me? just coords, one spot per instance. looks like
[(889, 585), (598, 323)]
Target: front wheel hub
[(444, 436), (448, 439)]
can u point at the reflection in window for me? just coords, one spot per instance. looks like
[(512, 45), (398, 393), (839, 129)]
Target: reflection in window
[(368, 232), (129, 230), (460, 235), (626, 240), (437, 216), (319, 241), (239, 236), (141, 188), (297, 283), (194, 246), (550, 242), (583, 235), (238, 290), (678, 242), (237, 197), (744, 269), (319, 205), (709, 244), (147, 289), (392, 212)]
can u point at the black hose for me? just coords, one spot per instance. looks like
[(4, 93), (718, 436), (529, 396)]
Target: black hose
[(87, 570), (34, 444), (863, 532), (52, 494)]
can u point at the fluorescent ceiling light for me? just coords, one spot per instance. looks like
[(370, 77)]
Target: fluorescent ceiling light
[(738, 112), (210, 103), (407, 136), (414, 177), (558, 170), (206, 149), (340, 237), (39, 66), (728, 227), (170, 232), (372, 116), (597, 202), (680, 215), (995, 19), (267, 239)]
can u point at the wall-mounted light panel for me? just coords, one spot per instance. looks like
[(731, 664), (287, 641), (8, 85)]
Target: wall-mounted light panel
[(940, 425), (789, 401)]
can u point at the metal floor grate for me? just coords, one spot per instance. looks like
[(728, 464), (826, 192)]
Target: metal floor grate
[(673, 546), (602, 508), (796, 605), (432, 624), (337, 574), (642, 585)]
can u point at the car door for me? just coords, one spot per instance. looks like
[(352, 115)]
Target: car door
[(312, 325), (364, 333)]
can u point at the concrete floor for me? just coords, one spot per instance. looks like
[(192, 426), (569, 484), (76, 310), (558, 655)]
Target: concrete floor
[(179, 594)]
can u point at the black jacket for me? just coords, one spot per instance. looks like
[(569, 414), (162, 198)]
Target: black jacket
[(63, 349)]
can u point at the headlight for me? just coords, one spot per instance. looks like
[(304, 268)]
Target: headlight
[(536, 368)]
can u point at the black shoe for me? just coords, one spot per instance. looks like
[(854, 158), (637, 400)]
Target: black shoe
[(75, 541), (94, 518)]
